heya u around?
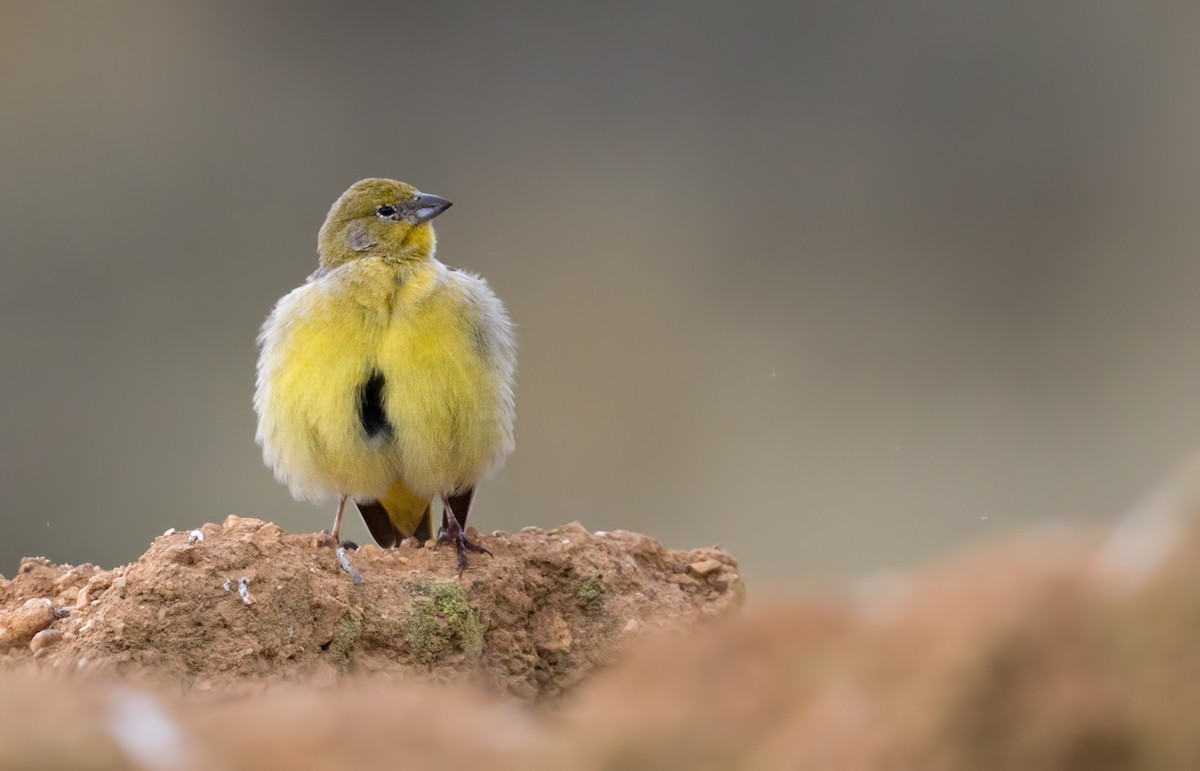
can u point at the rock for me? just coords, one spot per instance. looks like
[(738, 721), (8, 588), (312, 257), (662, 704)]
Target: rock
[(44, 638), (19, 625), (703, 568)]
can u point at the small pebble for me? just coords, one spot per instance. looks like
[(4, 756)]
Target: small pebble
[(704, 567), (195, 537), (169, 531), (44, 638), (226, 584), (631, 626), (411, 543)]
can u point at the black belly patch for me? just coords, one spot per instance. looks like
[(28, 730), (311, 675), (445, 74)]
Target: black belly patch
[(370, 406)]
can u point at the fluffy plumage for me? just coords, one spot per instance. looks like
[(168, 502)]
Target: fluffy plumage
[(387, 377)]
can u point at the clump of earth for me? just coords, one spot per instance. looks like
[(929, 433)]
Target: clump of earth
[(245, 602)]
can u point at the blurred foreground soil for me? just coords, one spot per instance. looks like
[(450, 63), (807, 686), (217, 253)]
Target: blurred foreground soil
[(1056, 650)]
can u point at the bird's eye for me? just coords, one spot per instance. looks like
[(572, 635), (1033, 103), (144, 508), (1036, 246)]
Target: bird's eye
[(386, 211)]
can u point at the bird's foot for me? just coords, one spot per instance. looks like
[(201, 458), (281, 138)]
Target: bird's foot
[(326, 539), (462, 544)]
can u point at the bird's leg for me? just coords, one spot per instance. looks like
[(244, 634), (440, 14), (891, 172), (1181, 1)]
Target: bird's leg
[(336, 530), (452, 531)]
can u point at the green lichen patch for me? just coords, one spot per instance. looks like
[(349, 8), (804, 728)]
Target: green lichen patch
[(345, 634), (441, 623), (589, 589)]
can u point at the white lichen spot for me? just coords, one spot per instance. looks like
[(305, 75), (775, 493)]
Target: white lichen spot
[(244, 590), (344, 561)]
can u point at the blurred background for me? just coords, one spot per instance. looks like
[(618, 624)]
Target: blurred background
[(836, 287)]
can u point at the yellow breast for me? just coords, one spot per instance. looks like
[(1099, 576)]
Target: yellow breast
[(446, 398)]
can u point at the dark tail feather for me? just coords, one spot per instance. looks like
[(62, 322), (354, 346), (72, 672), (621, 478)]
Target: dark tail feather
[(461, 506)]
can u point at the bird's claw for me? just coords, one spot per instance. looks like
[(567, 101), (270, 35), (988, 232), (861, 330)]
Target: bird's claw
[(462, 545)]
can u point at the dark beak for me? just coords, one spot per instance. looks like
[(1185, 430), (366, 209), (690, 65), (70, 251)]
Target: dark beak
[(425, 207)]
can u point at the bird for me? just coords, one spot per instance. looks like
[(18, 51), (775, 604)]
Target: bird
[(387, 377)]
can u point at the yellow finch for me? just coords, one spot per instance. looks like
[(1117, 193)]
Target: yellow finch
[(387, 378)]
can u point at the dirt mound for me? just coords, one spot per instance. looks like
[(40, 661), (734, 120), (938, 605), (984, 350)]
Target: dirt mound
[(1044, 655), (1053, 652), (247, 603)]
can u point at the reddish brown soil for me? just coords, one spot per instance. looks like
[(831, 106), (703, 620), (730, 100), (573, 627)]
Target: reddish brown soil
[(245, 603), (1064, 652)]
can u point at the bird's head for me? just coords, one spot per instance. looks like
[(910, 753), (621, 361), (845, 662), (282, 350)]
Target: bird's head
[(381, 218)]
